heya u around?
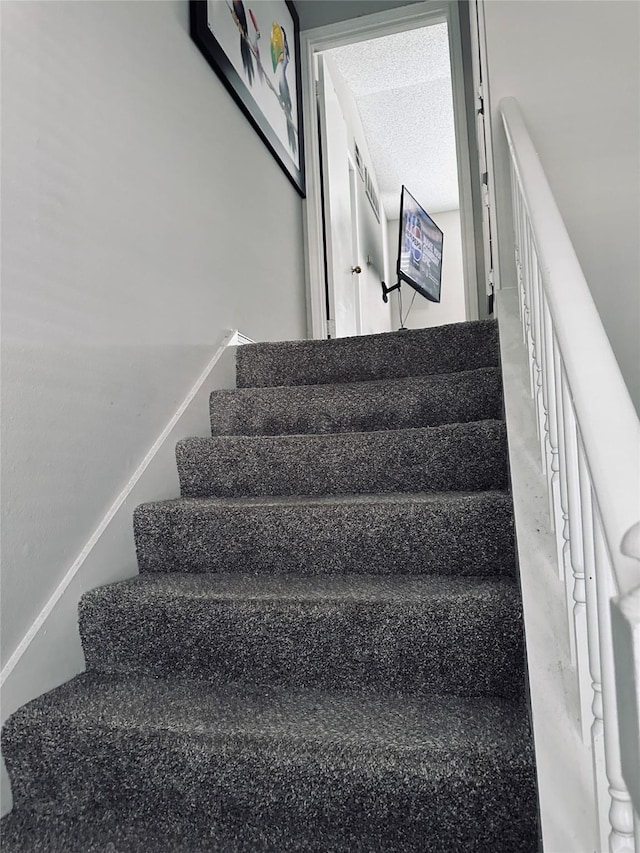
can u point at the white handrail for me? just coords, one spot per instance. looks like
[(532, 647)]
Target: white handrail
[(590, 447), (606, 416)]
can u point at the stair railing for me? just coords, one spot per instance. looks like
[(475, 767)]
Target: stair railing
[(590, 447)]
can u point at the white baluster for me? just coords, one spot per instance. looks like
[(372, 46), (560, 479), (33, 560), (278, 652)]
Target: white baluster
[(551, 424), (536, 325), (517, 221), (621, 818), (532, 310), (562, 530), (526, 286), (601, 786), (579, 609)]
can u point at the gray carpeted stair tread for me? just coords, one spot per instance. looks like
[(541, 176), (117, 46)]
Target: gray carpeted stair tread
[(127, 831), (360, 406), (413, 352), (446, 532), (388, 772), (412, 634), (106, 831), (469, 456)]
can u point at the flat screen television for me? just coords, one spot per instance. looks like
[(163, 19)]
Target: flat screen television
[(420, 250)]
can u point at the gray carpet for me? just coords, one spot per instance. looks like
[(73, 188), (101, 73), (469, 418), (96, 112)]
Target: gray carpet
[(415, 634), (458, 533), (418, 401), (413, 352), (465, 456), (323, 650)]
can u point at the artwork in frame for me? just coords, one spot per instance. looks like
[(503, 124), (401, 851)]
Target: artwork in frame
[(254, 47)]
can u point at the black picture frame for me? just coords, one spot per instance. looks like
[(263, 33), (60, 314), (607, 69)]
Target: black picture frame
[(225, 33)]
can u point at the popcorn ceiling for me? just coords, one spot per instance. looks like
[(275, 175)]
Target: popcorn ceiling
[(402, 87)]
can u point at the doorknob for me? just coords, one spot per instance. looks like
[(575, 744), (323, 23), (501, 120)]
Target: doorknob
[(357, 270)]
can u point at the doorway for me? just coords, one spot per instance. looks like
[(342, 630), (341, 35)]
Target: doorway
[(321, 40)]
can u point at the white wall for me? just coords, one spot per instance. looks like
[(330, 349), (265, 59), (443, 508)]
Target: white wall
[(375, 314), (575, 69), (142, 215), (451, 308)]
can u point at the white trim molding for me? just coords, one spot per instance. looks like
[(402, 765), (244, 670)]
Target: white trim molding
[(238, 340)]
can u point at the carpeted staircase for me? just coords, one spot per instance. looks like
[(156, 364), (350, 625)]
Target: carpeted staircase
[(323, 650)]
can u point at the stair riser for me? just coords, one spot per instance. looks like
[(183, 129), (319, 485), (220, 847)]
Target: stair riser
[(466, 457), (473, 536), (442, 349), (196, 782), (456, 398), (467, 645)]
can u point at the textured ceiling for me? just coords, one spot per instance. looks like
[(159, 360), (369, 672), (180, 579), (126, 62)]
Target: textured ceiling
[(402, 86)]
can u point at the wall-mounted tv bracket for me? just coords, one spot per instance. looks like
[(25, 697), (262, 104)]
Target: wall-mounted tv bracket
[(386, 290)]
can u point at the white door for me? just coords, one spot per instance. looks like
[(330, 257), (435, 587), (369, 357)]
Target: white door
[(342, 281)]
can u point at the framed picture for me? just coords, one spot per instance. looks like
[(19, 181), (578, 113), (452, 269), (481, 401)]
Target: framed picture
[(254, 47)]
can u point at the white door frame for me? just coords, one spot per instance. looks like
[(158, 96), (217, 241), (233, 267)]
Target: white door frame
[(343, 291), (482, 105), (359, 29), (355, 241)]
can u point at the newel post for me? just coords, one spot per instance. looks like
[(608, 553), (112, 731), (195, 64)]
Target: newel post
[(621, 818)]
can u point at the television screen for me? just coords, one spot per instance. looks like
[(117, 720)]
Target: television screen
[(420, 252)]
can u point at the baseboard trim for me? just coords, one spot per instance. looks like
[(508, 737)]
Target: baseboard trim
[(233, 338)]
